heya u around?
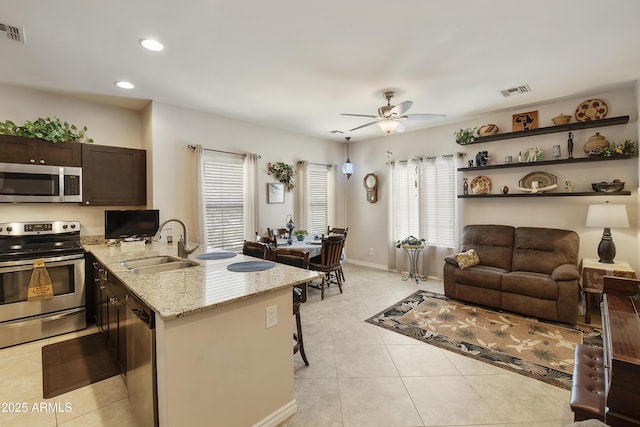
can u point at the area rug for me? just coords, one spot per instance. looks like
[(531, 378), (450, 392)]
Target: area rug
[(75, 363), (541, 350)]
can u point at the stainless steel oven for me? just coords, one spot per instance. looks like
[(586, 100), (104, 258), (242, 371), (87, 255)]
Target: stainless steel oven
[(58, 244)]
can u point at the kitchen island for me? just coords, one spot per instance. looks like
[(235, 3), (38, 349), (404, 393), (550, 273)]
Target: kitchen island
[(217, 362)]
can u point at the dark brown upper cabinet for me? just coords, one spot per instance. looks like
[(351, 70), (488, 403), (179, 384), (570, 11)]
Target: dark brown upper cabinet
[(113, 176), (18, 149)]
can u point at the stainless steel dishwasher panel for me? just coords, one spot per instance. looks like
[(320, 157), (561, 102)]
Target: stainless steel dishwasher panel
[(141, 362)]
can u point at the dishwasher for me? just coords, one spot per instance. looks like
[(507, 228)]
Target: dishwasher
[(141, 361)]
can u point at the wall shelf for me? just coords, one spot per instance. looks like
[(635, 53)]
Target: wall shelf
[(546, 163), (552, 129), (550, 194)]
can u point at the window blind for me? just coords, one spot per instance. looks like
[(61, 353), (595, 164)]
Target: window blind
[(223, 187), (438, 202), (318, 199)]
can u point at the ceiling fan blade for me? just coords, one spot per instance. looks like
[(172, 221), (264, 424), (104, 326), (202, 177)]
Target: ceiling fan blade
[(401, 108), (360, 115), (364, 125), (424, 116)]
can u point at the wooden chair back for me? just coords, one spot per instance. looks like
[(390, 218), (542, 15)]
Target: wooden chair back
[(331, 251), (295, 257), (336, 230), (256, 249), (267, 239), (277, 233)]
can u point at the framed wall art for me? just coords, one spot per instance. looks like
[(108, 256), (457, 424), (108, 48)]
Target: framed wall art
[(525, 121), (275, 192)]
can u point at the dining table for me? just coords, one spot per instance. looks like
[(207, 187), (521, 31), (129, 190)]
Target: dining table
[(314, 246)]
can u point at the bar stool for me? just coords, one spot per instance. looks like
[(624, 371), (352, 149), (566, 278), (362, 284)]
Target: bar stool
[(299, 343)]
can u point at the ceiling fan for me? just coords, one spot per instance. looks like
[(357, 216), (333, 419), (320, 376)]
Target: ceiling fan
[(390, 117)]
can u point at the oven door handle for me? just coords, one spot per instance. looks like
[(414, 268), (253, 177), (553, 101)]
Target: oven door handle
[(29, 262), (40, 319)]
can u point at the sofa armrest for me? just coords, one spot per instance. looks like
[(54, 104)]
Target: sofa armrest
[(565, 272), (451, 259)]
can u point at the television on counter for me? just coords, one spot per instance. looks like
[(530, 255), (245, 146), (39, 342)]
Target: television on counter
[(131, 224)]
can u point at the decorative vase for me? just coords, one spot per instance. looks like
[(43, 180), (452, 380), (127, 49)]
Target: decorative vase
[(596, 144), (300, 238)]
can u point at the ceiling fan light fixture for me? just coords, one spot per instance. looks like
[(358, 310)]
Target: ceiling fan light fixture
[(388, 125)]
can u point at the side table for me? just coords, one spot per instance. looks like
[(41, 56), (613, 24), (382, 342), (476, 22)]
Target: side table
[(592, 272), (413, 251)]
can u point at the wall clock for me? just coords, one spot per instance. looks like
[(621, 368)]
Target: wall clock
[(371, 185)]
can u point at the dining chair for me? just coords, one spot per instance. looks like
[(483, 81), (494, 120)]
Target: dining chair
[(297, 258), (344, 232), (336, 230), (328, 262), (256, 249), (278, 233)]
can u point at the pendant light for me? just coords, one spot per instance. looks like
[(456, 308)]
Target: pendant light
[(347, 167)]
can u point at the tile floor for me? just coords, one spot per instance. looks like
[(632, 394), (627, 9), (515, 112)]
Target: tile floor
[(360, 375)]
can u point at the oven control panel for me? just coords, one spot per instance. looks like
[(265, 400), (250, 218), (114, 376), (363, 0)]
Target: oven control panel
[(38, 228)]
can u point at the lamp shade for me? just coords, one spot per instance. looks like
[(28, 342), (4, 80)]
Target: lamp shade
[(389, 125), (607, 216), (347, 168)]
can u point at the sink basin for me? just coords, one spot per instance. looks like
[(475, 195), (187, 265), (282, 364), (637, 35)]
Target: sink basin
[(146, 262), (157, 264)]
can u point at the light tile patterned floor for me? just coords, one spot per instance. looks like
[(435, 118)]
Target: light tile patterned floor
[(360, 375)]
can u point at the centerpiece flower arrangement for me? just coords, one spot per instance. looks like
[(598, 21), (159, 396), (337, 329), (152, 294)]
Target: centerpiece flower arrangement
[(300, 234), (283, 173)]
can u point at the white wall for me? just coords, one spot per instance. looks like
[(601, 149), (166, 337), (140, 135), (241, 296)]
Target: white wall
[(173, 177), (556, 212)]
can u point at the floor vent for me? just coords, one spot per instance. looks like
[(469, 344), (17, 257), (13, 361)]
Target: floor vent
[(12, 33), (515, 90)]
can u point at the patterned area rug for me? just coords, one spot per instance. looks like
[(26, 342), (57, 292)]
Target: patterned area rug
[(538, 349)]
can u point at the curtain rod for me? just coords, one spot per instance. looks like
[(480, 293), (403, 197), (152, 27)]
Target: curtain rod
[(193, 148), (316, 164)]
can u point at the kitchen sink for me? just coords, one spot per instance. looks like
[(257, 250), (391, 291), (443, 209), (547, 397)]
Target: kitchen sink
[(158, 264)]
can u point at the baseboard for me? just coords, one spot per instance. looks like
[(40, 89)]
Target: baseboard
[(368, 264), (280, 416)]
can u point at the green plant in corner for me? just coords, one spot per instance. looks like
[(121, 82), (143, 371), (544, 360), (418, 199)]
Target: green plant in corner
[(410, 241), (52, 130), (465, 136)]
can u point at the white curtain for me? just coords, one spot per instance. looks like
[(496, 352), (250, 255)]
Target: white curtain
[(250, 195), (300, 212), (199, 159), (331, 186)]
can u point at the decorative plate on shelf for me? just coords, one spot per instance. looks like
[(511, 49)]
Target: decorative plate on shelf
[(480, 185), (544, 180), (591, 109)]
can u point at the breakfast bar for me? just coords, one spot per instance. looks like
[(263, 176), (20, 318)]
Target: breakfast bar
[(220, 359)]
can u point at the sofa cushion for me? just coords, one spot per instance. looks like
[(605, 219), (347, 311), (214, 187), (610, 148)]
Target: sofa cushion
[(535, 285), (492, 243), (541, 250), (467, 259), (481, 276)]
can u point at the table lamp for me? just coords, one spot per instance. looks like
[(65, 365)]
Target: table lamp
[(607, 216)]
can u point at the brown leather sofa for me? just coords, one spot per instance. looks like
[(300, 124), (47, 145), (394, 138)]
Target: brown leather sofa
[(526, 270)]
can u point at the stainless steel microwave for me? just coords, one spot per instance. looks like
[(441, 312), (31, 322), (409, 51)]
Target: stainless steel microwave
[(40, 183)]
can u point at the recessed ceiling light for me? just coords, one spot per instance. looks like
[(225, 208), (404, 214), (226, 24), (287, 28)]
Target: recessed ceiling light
[(124, 85), (152, 44)]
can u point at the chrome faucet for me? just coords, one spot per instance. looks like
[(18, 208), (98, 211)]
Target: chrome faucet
[(183, 250)]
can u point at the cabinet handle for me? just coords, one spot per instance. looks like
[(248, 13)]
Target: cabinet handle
[(42, 161), (32, 160), (87, 203)]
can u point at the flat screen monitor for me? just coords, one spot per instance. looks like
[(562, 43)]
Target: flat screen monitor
[(123, 224)]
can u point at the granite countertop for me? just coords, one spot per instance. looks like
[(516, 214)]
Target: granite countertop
[(182, 292)]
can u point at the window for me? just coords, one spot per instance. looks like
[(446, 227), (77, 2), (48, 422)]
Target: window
[(318, 199), (424, 201), (223, 197)]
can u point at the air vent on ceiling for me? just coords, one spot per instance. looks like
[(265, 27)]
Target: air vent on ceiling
[(336, 131), (515, 90), (12, 33)]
